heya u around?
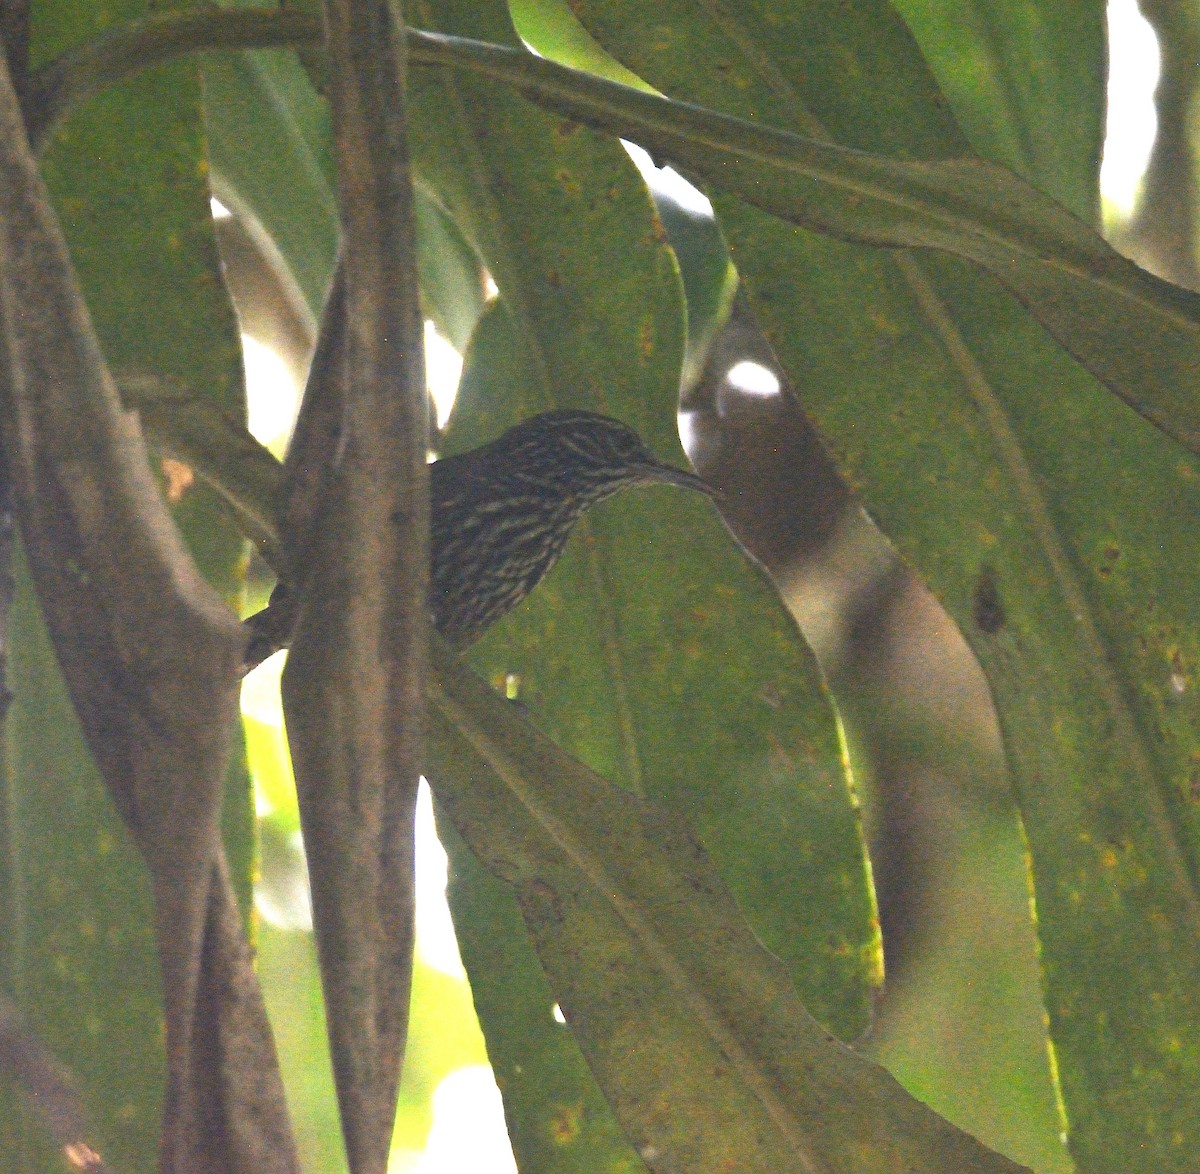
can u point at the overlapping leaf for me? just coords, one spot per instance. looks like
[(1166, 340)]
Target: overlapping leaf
[(693, 1029), (1050, 521), (637, 633), (1138, 334), (269, 139)]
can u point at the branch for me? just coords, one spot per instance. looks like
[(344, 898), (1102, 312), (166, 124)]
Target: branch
[(149, 653), (220, 450), (353, 685)]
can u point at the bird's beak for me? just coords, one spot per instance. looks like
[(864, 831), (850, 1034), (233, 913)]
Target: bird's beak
[(669, 475)]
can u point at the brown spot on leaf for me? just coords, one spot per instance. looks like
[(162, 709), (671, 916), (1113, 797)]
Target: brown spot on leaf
[(567, 181), (542, 903), (565, 1123), (646, 338), (986, 606)]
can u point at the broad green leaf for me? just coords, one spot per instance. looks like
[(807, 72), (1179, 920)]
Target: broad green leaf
[(1137, 333), (551, 30), (1025, 84), (128, 175), (1052, 524), (679, 627), (693, 1029), (709, 279), (269, 138), (452, 279), (964, 1029), (79, 918), (558, 1118), (776, 833), (638, 632)]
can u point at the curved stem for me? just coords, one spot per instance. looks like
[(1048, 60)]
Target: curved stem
[(81, 73)]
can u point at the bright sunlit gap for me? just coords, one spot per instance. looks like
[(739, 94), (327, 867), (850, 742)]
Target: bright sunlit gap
[(667, 181), (468, 1130), (435, 940), (753, 378), (1134, 65), (436, 944), (443, 369), (272, 396)]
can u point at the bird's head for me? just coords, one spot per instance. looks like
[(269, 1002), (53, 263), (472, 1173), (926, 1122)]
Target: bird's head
[(593, 455)]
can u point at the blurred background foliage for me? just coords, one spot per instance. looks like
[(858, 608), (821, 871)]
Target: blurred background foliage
[(960, 1020)]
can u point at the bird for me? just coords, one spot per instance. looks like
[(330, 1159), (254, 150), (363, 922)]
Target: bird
[(500, 518)]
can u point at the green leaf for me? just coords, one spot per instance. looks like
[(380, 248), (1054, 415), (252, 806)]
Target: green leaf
[(558, 1118), (653, 616), (651, 619), (270, 143), (692, 1028), (1051, 523), (79, 918), (1022, 81), (709, 279), (269, 140), (1137, 333), (551, 30), (452, 278)]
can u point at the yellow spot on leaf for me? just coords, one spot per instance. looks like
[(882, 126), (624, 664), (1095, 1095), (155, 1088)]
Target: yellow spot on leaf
[(646, 337), (180, 479), (566, 1123), (81, 1155)]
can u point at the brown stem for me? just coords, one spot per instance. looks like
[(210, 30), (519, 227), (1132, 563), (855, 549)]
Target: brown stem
[(353, 686)]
